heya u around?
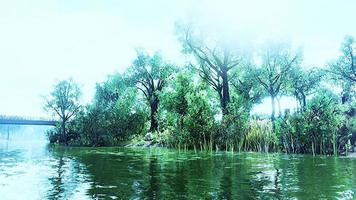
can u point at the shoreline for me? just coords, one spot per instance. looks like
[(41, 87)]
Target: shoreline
[(149, 145)]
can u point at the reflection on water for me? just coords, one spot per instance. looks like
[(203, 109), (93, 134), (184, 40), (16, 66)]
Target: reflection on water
[(34, 170)]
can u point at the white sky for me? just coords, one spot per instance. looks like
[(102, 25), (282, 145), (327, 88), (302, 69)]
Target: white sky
[(43, 41)]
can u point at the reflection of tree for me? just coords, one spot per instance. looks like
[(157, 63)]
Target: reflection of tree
[(153, 189), (285, 179), (253, 182), (225, 185), (330, 182), (57, 181), (65, 179), (139, 175), (177, 178), (277, 189), (180, 180)]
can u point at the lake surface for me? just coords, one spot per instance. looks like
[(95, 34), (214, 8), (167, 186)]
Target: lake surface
[(31, 169)]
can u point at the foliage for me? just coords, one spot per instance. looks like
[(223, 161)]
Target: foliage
[(175, 109), (150, 74), (199, 120), (206, 105), (344, 68), (316, 130), (302, 83), (260, 137), (214, 62), (246, 88), (233, 127), (64, 102), (277, 61), (107, 121)]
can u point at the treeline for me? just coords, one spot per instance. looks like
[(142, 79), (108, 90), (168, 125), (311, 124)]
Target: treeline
[(206, 104)]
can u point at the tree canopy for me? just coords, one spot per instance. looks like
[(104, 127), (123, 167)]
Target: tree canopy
[(64, 101)]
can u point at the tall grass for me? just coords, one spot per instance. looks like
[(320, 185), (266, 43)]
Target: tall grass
[(260, 137)]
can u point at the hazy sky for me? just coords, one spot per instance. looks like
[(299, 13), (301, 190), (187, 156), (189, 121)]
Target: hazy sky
[(43, 41)]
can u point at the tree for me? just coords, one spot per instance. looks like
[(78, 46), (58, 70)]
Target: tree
[(122, 115), (343, 70), (199, 120), (248, 90), (150, 74), (345, 66), (323, 119), (108, 92), (303, 83), (175, 99), (64, 102), (214, 62), (277, 61), (317, 129)]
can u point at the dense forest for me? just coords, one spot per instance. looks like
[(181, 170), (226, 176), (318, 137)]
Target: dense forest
[(206, 103)]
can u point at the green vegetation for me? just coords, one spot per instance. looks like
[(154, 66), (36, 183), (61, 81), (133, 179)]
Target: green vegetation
[(64, 102), (206, 104)]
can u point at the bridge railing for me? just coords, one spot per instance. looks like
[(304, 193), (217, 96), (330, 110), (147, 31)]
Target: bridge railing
[(14, 117)]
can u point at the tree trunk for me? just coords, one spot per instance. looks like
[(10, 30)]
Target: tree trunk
[(273, 99), (273, 118), (304, 102), (64, 132), (345, 97), (153, 116), (279, 106), (225, 93), (346, 94), (181, 122)]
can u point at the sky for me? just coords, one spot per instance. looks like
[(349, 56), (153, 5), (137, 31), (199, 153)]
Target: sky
[(44, 41)]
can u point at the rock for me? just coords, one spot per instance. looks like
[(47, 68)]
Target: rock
[(129, 145), (147, 144), (148, 137), (351, 155)]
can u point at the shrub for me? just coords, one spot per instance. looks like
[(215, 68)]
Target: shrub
[(315, 130), (260, 137), (233, 127)]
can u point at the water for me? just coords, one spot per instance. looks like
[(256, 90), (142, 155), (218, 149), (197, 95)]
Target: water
[(31, 169)]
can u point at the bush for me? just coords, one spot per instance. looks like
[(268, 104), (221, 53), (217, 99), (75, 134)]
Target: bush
[(233, 127), (199, 121), (316, 130)]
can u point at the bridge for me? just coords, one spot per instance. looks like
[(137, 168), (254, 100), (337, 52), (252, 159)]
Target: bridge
[(16, 120)]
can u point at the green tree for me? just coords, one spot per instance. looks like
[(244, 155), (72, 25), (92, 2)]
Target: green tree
[(316, 130), (150, 75), (303, 83), (345, 66), (323, 120), (343, 70), (277, 61), (199, 120), (113, 116), (214, 62), (233, 127), (64, 102), (248, 90), (175, 98), (108, 92)]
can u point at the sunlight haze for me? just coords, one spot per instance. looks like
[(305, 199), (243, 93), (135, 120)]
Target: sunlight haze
[(44, 41)]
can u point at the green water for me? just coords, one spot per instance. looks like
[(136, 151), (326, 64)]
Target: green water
[(34, 170)]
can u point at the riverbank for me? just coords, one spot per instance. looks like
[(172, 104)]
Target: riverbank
[(151, 142), (159, 139)]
